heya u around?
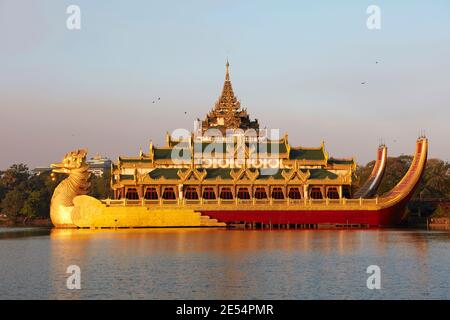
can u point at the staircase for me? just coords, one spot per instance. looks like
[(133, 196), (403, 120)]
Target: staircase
[(207, 221)]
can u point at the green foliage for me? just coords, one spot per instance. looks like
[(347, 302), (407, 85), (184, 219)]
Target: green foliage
[(396, 168), (36, 204), (2, 189), (12, 203), (25, 195), (441, 212), (15, 175), (435, 182), (100, 186), (361, 175)]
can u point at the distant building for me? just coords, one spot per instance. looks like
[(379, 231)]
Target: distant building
[(98, 165), (39, 170)]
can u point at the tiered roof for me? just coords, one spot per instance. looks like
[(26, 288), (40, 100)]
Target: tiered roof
[(309, 163), (236, 175), (227, 112), (280, 149)]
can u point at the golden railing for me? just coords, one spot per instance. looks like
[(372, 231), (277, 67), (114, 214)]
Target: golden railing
[(255, 204)]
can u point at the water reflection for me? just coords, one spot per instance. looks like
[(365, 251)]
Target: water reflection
[(12, 233), (225, 264)]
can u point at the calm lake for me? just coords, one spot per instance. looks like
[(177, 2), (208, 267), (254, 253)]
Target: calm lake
[(224, 264)]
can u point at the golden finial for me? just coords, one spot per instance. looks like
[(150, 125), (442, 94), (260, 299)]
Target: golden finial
[(227, 76)]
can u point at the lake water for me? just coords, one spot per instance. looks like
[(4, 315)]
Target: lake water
[(224, 264)]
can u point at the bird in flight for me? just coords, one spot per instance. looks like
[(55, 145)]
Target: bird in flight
[(156, 100)]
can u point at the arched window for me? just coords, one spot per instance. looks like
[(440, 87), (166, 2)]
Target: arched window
[(316, 193), (260, 193), (151, 194), (191, 193), (226, 193), (294, 193), (132, 194), (277, 193), (332, 193), (169, 194), (243, 193), (208, 193)]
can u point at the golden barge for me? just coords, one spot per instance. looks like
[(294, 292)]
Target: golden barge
[(229, 171)]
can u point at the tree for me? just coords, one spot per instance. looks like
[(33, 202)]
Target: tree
[(436, 181), (362, 173), (34, 205), (15, 175), (2, 189), (12, 204), (100, 186), (396, 168), (441, 212)]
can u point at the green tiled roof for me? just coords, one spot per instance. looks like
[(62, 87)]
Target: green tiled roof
[(167, 173), (135, 160), (163, 154), (321, 174), (218, 172), (268, 147), (126, 177), (172, 174), (276, 176), (218, 147), (340, 161), (307, 154)]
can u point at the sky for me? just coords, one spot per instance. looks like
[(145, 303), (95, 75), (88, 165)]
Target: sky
[(297, 66)]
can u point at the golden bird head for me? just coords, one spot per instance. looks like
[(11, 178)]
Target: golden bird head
[(72, 161)]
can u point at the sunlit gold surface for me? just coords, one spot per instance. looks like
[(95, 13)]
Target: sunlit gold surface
[(73, 164), (88, 212)]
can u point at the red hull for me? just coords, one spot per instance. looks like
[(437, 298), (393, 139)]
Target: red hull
[(374, 218), (385, 217)]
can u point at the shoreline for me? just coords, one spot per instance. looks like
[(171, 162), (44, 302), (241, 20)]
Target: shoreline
[(42, 222), (411, 223)]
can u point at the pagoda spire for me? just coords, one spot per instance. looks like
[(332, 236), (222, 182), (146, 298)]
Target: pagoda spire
[(227, 112), (227, 100)]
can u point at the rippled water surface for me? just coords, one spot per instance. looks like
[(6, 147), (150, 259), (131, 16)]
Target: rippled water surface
[(224, 264)]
